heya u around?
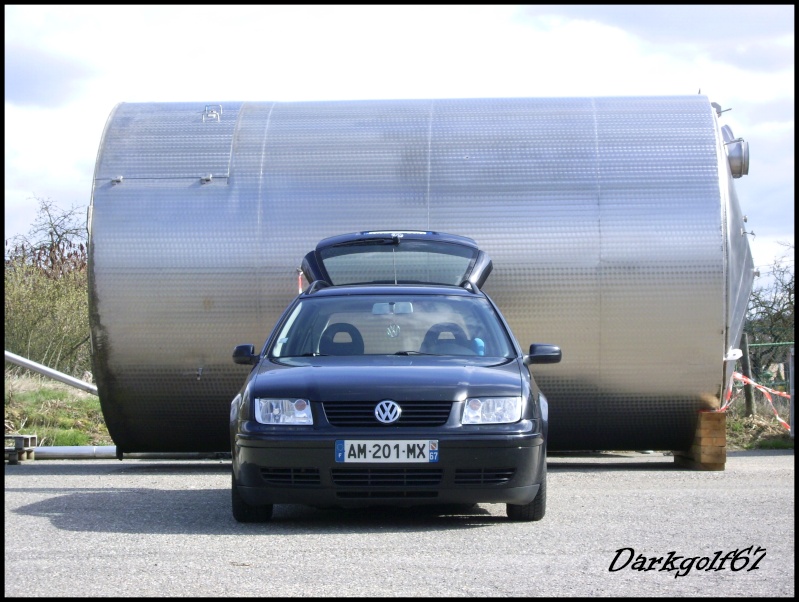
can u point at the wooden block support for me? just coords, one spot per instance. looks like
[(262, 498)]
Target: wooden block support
[(709, 448)]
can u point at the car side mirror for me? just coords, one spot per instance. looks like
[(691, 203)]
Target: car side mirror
[(541, 353), (245, 354)]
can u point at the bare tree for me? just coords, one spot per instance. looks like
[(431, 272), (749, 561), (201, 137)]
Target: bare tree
[(56, 242), (770, 315)]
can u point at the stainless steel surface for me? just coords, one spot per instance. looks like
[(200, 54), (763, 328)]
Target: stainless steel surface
[(50, 372), (612, 223)]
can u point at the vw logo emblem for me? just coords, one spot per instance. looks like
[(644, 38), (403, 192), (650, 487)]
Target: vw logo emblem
[(388, 411), (393, 330)]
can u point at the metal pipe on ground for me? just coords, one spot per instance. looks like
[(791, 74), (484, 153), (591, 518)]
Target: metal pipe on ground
[(109, 452)]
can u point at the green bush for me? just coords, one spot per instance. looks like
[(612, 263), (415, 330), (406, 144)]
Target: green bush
[(47, 319), (46, 293)]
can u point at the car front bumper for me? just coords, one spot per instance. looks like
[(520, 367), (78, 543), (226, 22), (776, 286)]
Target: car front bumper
[(483, 468)]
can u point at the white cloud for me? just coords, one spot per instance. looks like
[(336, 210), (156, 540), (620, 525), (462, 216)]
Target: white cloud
[(86, 59)]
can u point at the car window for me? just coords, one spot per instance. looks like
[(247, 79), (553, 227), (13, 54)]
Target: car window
[(412, 261), (391, 324)]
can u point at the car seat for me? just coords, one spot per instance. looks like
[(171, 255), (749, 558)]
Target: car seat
[(446, 338), (341, 338)]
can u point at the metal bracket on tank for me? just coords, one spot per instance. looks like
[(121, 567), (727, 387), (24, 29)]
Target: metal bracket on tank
[(212, 113), (718, 108), (743, 228)]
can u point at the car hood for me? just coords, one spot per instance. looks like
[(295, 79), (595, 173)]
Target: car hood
[(400, 379)]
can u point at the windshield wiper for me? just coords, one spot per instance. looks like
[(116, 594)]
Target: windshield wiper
[(412, 353)]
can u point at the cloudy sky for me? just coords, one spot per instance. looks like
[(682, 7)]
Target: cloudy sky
[(66, 67)]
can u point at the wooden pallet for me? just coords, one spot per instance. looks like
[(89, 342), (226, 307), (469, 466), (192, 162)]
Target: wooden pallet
[(23, 448)]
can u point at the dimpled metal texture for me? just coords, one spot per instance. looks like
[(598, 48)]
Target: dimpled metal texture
[(612, 223)]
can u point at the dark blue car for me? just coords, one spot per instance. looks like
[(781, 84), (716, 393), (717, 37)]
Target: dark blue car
[(391, 380)]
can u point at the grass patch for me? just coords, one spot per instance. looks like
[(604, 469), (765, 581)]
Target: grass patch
[(757, 432), (762, 430), (56, 413)]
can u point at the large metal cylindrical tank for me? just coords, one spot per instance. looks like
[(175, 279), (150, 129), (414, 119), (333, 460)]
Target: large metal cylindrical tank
[(613, 225)]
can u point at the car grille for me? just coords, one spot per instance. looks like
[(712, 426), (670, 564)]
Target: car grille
[(483, 476), (387, 494), (387, 477), (291, 476), (414, 413)]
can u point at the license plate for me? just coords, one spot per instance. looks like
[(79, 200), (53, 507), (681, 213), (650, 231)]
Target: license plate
[(386, 451)]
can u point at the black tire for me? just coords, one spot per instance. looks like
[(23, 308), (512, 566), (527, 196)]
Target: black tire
[(536, 509), (247, 513)]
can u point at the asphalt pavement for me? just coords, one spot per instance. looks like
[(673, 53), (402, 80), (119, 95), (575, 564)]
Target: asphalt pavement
[(617, 524)]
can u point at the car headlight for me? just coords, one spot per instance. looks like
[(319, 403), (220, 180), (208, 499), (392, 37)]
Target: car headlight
[(283, 411), (492, 410)]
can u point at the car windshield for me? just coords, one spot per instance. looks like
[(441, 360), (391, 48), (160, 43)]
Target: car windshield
[(392, 325)]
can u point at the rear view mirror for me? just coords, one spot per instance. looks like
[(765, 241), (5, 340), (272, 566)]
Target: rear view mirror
[(541, 353), (381, 309), (400, 307), (403, 307), (245, 354)]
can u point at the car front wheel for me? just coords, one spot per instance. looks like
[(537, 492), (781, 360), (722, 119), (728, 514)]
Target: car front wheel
[(536, 509), (247, 513)]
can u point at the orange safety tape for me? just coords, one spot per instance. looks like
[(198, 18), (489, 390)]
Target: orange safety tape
[(765, 390)]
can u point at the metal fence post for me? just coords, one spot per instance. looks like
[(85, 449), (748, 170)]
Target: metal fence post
[(746, 368)]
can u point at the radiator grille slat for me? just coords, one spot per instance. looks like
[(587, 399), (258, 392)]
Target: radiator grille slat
[(383, 494), (483, 476), (291, 476), (387, 477), (414, 413)]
